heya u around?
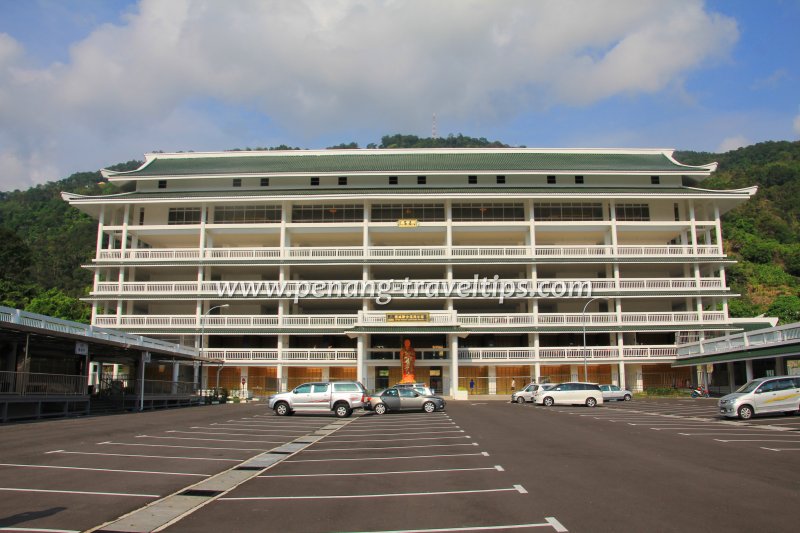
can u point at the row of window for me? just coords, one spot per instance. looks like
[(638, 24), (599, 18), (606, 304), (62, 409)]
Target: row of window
[(462, 212), (421, 180)]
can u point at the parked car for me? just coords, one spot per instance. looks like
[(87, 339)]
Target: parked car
[(776, 394), (526, 394), (405, 399), (613, 392), (570, 393), (339, 397), (421, 388)]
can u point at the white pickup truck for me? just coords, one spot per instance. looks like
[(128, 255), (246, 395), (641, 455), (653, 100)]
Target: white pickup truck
[(338, 397)]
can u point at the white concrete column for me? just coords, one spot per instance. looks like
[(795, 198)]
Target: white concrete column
[(614, 375), (534, 371), (633, 377), (453, 365), (361, 359), (748, 368), (573, 373), (175, 372), (732, 376), (693, 228), (326, 374), (780, 366), (621, 374), (492, 379), (282, 372)]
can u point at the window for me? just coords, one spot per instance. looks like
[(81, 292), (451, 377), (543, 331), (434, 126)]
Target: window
[(578, 180), (390, 392), (392, 180), (314, 182), (237, 182), (394, 212), (633, 212), (472, 180), (475, 212), (320, 387), (141, 216), (247, 214), (183, 215), (408, 393), (501, 180), (342, 180), (162, 184), (785, 384), (551, 180), (328, 213), (265, 182), (303, 389), (655, 180), (422, 180), (346, 387), (568, 211)]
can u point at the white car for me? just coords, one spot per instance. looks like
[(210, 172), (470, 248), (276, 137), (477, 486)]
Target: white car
[(775, 394), (526, 394), (339, 397), (570, 393), (613, 392)]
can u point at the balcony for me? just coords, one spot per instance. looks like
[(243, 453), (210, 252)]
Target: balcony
[(284, 356), (342, 323), (383, 253), (522, 355), (425, 288)]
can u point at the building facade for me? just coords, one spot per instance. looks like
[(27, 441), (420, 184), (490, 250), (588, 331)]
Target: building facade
[(497, 264)]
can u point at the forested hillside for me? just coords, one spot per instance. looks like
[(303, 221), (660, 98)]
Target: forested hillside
[(43, 241)]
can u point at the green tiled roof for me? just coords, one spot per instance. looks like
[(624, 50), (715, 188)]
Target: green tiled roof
[(405, 191), (427, 161)]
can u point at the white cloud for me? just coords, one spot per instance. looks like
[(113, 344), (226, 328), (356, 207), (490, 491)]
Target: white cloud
[(316, 66), (732, 143)]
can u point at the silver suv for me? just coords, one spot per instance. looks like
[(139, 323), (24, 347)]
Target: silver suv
[(338, 397)]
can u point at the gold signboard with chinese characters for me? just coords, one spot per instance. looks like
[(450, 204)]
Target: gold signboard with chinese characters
[(408, 317), (407, 223)]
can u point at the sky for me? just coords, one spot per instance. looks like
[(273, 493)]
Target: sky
[(85, 84)]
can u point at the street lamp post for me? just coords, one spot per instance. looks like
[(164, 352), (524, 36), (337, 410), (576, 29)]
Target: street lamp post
[(203, 338), (583, 321)]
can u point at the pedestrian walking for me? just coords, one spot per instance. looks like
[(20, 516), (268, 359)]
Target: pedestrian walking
[(471, 386), (513, 385)]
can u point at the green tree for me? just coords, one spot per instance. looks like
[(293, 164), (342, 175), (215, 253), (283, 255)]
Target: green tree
[(786, 308), (57, 304), (15, 257)]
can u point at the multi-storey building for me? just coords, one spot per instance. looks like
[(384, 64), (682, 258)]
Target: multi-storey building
[(298, 265)]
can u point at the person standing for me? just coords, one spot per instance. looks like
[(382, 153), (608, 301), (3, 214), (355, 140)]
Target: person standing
[(472, 386), (513, 385)]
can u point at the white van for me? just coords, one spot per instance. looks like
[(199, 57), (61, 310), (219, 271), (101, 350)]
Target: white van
[(775, 394), (571, 393)]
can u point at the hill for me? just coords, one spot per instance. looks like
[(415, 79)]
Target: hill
[(43, 240)]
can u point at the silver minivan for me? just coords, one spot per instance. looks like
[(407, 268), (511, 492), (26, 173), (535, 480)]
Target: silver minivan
[(774, 394), (571, 393), (526, 394)]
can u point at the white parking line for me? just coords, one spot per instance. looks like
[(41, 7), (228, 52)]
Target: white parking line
[(389, 433), (235, 434), (383, 458), (104, 470), (496, 468), (515, 488), (189, 447), (771, 434), (396, 440), (404, 428), (755, 440), (212, 440), (391, 447), (550, 522), (781, 449), (38, 530), (83, 492), (216, 427), (148, 456)]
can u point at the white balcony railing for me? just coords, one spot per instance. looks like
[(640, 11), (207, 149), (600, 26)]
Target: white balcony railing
[(520, 355), (430, 288), (383, 318), (402, 252)]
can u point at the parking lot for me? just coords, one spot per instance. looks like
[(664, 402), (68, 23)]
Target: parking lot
[(665, 465)]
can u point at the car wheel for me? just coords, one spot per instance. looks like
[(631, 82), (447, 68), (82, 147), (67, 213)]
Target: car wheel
[(591, 402), (548, 401), (282, 409), (627, 398), (520, 400), (342, 410), (380, 409), (428, 407), (745, 412)]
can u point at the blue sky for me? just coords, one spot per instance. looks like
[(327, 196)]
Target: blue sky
[(89, 83)]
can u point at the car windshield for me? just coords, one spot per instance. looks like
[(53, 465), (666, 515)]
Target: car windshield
[(750, 386)]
